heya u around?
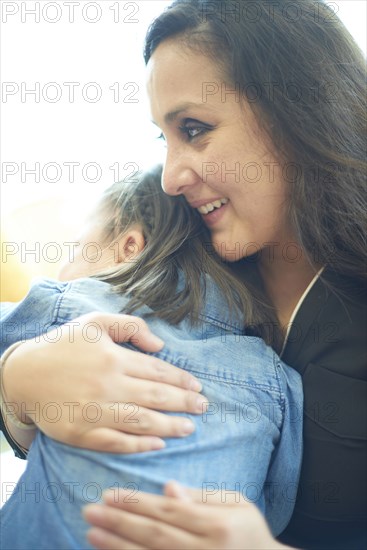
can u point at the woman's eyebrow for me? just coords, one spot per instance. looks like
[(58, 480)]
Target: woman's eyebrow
[(172, 115), (181, 109)]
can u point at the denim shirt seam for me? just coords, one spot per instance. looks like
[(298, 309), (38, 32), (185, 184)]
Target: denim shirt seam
[(57, 318), (282, 400), (240, 382), (221, 323), (182, 362)]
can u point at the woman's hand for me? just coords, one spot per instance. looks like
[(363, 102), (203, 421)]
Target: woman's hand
[(183, 519), (81, 388)]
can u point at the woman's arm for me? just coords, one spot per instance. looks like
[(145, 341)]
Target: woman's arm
[(62, 382), (181, 519)]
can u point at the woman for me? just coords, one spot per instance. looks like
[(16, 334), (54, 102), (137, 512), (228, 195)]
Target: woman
[(150, 258), (288, 153)]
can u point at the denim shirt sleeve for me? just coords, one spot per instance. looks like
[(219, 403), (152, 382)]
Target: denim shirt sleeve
[(285, 467), (33, 316), (231, 447)]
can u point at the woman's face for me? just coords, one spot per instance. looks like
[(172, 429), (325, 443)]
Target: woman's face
[(216, 155)]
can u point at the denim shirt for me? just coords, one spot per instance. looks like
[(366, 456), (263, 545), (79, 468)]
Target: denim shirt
[(249, 440)]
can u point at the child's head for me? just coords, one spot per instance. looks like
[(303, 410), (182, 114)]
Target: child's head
[(132, 218), (95, 250), (143, 239)]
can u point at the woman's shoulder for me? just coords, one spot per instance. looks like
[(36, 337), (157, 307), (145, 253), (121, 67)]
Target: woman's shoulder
[(330, 327)]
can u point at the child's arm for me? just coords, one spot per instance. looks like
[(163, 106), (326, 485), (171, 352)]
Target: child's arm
[(71, 371)]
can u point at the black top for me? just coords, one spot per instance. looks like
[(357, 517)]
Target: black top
[(327, 346)]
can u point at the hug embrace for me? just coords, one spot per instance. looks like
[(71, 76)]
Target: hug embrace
[(246, 326)]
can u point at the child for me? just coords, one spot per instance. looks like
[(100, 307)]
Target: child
[(151, 258)]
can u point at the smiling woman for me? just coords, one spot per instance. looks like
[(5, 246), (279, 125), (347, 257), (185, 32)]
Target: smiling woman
[(264, 118), (214, 141), (316, 203)]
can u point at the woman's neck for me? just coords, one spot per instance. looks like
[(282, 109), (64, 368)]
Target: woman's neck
[(285, 281)]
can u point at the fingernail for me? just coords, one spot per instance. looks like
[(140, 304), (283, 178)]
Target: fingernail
[(92, 512), (188, 427), (201, 404), (97, 537), (179, 491), (158, 341), (157, 444), (111, 496), (195, 385)]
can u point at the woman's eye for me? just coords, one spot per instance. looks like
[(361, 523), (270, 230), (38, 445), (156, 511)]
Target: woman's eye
[(192, 132)]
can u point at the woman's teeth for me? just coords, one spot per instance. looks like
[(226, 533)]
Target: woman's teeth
[(210, 206)]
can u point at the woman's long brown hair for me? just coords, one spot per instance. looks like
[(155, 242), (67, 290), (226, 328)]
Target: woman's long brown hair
[(303, 75)]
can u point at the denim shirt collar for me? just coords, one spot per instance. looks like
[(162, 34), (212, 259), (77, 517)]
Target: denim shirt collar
[(215, 306)]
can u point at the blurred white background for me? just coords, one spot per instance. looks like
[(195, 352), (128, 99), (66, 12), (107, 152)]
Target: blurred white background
[(86, 126), (109, 137)]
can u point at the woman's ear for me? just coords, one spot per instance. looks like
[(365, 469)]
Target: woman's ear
[(129, 246)]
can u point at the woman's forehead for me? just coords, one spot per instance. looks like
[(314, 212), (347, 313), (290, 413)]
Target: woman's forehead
[(171, 65), (180, 79)]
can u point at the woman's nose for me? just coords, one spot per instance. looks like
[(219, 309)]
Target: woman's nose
[(178, 175)]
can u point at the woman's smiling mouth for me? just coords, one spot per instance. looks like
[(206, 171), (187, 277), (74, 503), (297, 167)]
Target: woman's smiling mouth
[(210, 206)]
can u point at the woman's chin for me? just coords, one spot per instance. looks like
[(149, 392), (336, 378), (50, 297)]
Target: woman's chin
[(228, 251)]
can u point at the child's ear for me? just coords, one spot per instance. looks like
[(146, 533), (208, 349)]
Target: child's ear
[(130, 245)]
